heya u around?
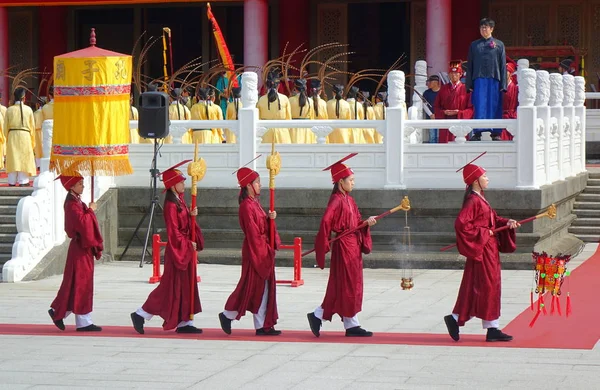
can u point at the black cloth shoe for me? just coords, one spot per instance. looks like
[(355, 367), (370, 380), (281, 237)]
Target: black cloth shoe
[(357, 331), (475, 138), (225, 323), (315, 324), (90, 328), (267, 332), (495, 334), (496, 138), (189, 329), (59, 323), (452, 326), (138, 322)]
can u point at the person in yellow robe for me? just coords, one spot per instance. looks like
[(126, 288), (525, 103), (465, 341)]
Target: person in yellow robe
[(233, 107), (356, 113), (177, 111), (302, 108), (371, 136), (218, 132), (204, 110), (274, 106), (19, 129), (38, 119), (380, 105), (319, 105), (338, 108)]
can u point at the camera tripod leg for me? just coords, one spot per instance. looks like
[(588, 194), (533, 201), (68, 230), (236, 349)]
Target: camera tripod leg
[(148, 233)]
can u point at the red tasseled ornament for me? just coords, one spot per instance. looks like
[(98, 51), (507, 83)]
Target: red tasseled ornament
[(537, 315), (558, 306), (543, 306), (552, 306), (569, 308)]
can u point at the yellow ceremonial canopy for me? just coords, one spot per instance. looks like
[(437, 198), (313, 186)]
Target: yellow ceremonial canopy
[(91, 112)]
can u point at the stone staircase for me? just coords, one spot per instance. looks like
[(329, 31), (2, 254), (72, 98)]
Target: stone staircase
[(9, 199), (587, 209)]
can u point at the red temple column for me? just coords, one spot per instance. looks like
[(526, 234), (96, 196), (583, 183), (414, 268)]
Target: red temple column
[(4, 52), (465, 26), (293, 27), (52, 26), (256, 33), (439, 39)]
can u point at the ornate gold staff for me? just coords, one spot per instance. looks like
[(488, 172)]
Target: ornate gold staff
[(550, 213), (274, 166), (197, 170)]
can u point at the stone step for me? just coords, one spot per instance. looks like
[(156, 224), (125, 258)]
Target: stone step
[(4, 257), (377, 259), (587, 213), (10, 200), (587, 222), (586, 205), (8, 237), (594, 175), (8, 219), (577, 230), (8, 228), (593, 182), (16, 191), (592, 190), (588, 197), (8, 209), (591, 238)]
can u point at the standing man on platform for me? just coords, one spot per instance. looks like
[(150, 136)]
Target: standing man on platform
[(486, 77), (433, 84)]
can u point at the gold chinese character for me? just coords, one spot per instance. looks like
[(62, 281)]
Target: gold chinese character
[(88, 74), (60, 70), (120, 71)]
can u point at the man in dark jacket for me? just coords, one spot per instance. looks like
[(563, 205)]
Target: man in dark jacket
[(486, 77)]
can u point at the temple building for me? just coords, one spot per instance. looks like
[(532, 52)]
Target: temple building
[(32, 32)]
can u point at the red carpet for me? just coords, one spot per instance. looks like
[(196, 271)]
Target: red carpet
[(296, 336), (581, 329)]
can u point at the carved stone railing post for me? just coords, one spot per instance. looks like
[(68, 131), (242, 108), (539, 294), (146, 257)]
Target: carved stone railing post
[(568, 124), (526, 139), (523, 63), (556, 111), (248, 117), (580, 126), (543, 118), (420, 86), (394, 138)]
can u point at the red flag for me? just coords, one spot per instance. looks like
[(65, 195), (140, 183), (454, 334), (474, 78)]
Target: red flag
[(222, 46)]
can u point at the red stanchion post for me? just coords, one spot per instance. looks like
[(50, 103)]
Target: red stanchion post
[(155, 278), (298, 281)]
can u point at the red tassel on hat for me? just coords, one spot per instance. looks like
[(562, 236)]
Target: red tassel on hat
[(569, 308)]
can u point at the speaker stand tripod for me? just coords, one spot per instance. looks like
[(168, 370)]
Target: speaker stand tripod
[(154, 203)]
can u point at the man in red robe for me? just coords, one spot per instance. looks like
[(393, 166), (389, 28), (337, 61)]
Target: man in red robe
[(344, 293), (172, 299), (452, 101), (479, 293), (256, 289), (511, 99), (76, 293)]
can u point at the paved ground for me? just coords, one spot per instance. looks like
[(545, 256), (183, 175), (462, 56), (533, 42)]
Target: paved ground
[(131, 361)]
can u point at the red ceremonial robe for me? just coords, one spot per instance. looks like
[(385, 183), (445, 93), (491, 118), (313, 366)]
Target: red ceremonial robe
[(510, 101), (344, 293), (258, 264), (76, 293), (479, 294), (171, 299), (452, 97)]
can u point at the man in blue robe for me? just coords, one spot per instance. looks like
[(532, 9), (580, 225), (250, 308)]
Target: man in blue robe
[(486, 77)]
